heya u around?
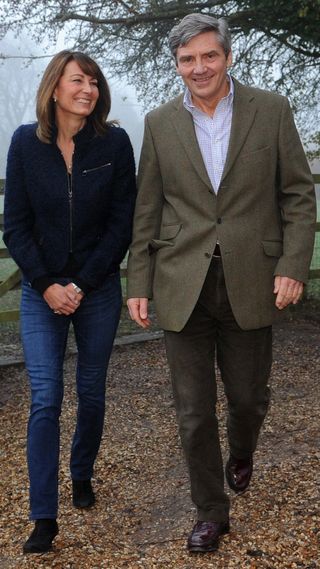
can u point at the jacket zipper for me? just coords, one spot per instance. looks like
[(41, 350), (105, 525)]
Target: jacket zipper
[(70, 198), (84, 172)]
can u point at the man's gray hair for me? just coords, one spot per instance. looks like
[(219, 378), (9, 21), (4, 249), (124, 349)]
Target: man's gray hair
[(195, 24)]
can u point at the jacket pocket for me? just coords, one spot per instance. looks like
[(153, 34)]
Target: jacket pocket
[(167, 235), (256, 156), (273, 248), (89, 170)]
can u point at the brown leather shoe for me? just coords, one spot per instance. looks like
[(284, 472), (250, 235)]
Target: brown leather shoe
[(205, 536), (238, 473)]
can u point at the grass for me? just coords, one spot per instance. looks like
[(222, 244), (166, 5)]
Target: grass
[(313, 287)]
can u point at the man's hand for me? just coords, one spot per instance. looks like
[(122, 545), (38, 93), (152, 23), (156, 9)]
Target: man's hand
[(288, 291), (61, 299), (138, 310)]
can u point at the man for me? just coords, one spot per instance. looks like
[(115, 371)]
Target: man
[(223, 238)]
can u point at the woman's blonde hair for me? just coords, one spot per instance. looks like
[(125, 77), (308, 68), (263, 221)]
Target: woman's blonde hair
[(45, 108)]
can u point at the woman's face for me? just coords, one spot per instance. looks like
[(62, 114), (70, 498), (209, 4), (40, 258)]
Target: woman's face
[(76, 93)]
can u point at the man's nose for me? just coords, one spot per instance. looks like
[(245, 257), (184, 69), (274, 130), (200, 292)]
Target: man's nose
[(199, 67)]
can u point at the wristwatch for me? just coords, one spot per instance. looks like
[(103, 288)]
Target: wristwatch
[(76, 288)]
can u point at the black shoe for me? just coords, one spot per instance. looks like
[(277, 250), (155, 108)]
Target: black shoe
[(42, 537), (239, 472), (205, 536), (82, 494)]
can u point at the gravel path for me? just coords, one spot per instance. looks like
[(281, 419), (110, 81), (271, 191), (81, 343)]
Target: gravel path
[(143, 512)]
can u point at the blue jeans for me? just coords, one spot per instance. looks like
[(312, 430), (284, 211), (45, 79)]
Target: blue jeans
[(44, 337)]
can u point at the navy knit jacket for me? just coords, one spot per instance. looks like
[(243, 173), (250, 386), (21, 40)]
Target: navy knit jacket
[(43, 228)]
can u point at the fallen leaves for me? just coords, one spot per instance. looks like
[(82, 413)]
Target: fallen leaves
[(143, 512)]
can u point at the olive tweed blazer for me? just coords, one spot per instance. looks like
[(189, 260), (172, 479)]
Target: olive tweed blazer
[(263, 215)]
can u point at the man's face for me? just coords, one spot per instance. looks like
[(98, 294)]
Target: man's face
[(203, 65)]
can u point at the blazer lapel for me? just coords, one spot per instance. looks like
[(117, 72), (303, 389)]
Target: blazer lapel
[(244, 110), (184, 126)]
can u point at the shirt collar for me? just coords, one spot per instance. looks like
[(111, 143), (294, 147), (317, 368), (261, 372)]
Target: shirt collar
[(187, 99)]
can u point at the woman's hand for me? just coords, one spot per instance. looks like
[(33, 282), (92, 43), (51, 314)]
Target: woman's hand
[(73, 295), (62, 299)]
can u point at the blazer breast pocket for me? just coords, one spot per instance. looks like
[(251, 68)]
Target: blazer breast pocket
[(256, 156)]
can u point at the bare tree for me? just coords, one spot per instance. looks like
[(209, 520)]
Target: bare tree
[(17, 96), (276, 42)]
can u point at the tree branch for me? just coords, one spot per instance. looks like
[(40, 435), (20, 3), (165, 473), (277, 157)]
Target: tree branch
[(298, 49), (4, 56), (167, 14), (129, 8)]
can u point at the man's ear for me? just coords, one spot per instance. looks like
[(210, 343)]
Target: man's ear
[(229, 59)]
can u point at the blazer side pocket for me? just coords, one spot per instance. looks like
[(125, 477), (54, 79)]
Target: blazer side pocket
[(167, 235), (273, 248)]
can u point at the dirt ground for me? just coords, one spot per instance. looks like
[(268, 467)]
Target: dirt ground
[(143, 512)]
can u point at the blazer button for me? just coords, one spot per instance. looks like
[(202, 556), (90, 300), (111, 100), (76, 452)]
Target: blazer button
[(219, 220), (208, 255)]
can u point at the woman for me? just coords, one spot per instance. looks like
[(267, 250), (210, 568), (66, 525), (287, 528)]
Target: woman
[(69, 200)]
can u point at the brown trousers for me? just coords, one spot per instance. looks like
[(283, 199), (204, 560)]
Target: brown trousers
[(244, 359)]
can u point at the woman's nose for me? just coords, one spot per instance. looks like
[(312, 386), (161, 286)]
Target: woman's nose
[(87, 87)]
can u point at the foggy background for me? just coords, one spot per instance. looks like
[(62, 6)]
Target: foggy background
[(19, 80)]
